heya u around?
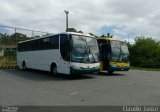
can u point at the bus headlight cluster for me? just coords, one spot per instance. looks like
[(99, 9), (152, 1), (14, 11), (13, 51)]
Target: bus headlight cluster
[(97, 67), (114, 65), (74, 67)]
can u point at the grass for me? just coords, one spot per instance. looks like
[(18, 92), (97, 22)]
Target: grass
[(146, 69)]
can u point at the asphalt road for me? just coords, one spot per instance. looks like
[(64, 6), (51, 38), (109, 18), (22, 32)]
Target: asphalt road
[(37, 88)]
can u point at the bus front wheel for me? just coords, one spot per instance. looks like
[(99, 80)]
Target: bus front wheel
[(110, 72)]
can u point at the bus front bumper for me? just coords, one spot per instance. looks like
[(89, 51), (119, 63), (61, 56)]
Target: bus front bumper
[(84, 71), (119, 68)]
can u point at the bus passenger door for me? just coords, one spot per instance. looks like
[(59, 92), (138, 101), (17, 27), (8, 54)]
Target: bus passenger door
[(104, 54), (64, 61), (105, 57)]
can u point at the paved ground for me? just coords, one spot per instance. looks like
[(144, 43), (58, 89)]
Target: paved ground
[(135, 87)]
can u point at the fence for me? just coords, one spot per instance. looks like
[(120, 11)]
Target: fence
[(9, 36)]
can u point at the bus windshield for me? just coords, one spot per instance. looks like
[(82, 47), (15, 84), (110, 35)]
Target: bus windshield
[(84, 49), (119, 51)]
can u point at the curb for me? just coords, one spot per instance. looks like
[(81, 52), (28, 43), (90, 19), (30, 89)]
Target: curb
[(8, 67)]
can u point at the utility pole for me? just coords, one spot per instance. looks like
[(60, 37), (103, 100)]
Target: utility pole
[(67, 12)]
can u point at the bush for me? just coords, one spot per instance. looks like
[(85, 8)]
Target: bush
[(145, 53)]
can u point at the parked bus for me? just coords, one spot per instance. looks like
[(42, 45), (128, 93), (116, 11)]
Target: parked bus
[(67, 53), (114, 55)]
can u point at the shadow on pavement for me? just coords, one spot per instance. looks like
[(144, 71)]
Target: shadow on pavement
[(108, 74), (38, 75)]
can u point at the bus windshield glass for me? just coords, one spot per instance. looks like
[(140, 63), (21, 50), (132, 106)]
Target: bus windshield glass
[(119, 51), (84, 49)]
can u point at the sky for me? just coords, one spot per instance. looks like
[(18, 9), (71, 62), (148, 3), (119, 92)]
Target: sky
[(124, 19)]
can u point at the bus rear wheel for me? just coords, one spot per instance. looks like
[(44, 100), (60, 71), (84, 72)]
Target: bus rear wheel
[(54, 70), (23, 65)]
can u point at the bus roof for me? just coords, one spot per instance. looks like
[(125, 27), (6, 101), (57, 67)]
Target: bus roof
[(106, 38), (73, 33)]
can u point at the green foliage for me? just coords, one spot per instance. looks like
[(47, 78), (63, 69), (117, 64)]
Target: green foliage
[(12, 39), (4, 35), (145, 53), (6, 40), (72, 30), (108, 35), (19, 37)]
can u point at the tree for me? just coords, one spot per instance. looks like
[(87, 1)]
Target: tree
[(80, 32), (19, 37), (108, 35), (5, 35), (72, 30), (145, 52), (4, 38)]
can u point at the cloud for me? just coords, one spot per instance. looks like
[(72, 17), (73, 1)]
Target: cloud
[(122, 18)]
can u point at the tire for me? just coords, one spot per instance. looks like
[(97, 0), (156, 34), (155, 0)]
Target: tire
[(23, 66), (54, 70), (110, 72)]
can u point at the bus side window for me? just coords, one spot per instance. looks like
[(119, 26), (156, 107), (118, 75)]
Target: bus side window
[(46, 43), (65, 47), (54, 42)]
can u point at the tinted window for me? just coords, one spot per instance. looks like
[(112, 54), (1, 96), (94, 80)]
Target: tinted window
[(51, 42), (45, 43), (54, 42), (34, 45)]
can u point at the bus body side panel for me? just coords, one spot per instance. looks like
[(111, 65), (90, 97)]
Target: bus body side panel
[(19, 60), (42, 60)]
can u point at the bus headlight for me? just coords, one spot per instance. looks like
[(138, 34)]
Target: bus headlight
[(113, 65), (74, 66), (97, 67), (85, 67)]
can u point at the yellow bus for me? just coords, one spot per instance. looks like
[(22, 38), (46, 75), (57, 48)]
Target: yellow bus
[(114, 54)]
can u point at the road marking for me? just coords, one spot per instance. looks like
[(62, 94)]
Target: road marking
[(75, 93)]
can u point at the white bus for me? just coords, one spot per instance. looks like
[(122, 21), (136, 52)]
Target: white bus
[(66, 53)]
